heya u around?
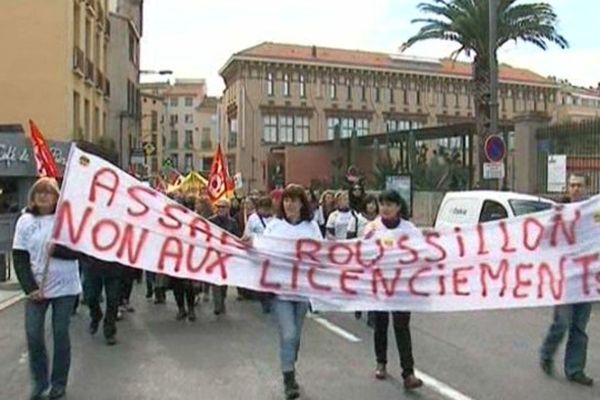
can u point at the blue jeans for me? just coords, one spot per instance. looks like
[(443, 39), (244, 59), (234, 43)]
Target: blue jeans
[(290, 318), (35, 316), (574, 318)]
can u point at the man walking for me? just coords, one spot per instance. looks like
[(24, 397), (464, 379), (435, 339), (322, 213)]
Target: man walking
[(569, 317)]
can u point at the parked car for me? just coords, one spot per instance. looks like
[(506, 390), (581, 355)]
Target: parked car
[(472, 207)]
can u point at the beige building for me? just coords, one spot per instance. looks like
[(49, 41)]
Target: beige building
[(207, 134), (280, 95), (182, 132), (153, 130), (576, 104), (54, 63)]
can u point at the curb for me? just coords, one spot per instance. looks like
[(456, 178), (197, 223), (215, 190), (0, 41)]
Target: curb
[(12, 300)]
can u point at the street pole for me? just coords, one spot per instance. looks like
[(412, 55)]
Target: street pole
[(493, 105)]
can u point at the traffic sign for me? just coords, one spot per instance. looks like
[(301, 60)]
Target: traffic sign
[(495, 149), (493, 170)]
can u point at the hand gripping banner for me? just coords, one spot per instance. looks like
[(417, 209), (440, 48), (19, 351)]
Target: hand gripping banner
[(536, 260)]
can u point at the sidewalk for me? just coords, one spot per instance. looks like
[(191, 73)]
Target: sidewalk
[(10, 291)]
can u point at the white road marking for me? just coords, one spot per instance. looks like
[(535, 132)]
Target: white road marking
[(335, 329), (440, 387), (11, 301), (429, 381)]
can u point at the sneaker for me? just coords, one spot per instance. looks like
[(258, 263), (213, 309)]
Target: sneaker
[(547, 366), (411, 382), (191, 316), (119, 314), (111, 341), (380, 371), (57, 393), (181, 314), (357, 315), (149, 294), (581, 379), (94, 327)]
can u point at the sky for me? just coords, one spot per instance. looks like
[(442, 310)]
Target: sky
[(195, 38)]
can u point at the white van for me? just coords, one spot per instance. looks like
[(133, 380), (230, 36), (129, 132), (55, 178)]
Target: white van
[(472, 207)]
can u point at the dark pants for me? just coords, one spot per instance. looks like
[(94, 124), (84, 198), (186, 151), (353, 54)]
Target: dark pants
[(184, 293), (95, 280), (35, 316), (129, 275), (150, 283), (219, 296), (401, 321), (571, 318)]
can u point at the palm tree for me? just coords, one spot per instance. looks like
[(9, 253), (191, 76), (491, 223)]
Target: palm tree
[(466, 22)]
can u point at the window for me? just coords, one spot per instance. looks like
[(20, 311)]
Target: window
[(189, 101), (444, 99), (270, 84), (154, 140), (347, 127), (188, 164), (286, 85), (173, 143), (301, 129), (456, 100), (96, 132), (153, 121), (492, 211), (333, 124), (349, 87), (76, 113), (175, 159), (418, 97), (302, 86), (270, 129), (332, 89), (363, 91), (286, 129), (188, 118), (523, 207), (392, 100), (377, 94), (362, 127), (174, 119), (206, 139), (131, 47), (174, 101), (405, 96), (232, 134), (189, 139)]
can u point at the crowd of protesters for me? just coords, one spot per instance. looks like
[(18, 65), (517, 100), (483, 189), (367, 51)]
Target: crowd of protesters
[(53, 277)]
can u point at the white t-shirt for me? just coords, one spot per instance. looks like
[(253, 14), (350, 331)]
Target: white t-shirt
[(377, 230), (33, 234), (280, 228), (344, 222), (256, 225)]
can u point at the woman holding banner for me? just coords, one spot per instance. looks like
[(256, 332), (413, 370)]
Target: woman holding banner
[(391, 222), (49, 275), (295, 222)]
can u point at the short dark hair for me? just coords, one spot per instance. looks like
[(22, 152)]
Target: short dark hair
[(370, 198), (264, 202), (392, 196), (294, 191)]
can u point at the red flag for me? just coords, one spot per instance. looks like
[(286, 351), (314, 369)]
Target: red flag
[(44, 160), (219, 182)]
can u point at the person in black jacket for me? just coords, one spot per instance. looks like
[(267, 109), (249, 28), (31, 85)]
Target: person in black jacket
[(49, 276), (223, 220)]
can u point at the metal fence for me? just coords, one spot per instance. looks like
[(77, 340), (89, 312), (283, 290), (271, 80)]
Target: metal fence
[(579, 142)]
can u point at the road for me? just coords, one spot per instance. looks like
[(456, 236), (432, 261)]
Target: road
[(481, 355)]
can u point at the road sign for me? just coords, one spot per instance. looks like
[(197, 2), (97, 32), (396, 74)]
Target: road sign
[(149, 149), (495, 149), (557, 173), (493, 170)]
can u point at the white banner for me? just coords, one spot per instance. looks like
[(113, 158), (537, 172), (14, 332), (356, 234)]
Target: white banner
[(542, 259)]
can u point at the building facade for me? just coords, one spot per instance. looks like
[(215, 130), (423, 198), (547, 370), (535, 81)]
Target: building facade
[(576, 104), (280, 95), (54, 68), (124, 125), (182, 136), (207, 136), (153, 130)]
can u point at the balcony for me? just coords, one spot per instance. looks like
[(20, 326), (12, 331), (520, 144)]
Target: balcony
[(78, 61), (89, 71), (99, 81), (106, 88)]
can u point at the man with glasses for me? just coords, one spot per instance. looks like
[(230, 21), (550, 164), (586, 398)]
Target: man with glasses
[(569, 317)]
